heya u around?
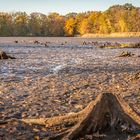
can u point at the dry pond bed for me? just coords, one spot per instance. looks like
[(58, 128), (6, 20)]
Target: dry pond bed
[(62, 81)]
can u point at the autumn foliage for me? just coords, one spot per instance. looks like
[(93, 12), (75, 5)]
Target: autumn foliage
[(118, 18)]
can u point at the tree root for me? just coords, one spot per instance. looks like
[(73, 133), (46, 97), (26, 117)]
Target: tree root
[(69, 119)]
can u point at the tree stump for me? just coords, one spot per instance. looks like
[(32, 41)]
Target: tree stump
[(109, 114), (109, 117), (3, 55)]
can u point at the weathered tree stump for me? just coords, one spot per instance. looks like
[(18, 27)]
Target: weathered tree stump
[(126, 54), (108, 114), (3, 55)]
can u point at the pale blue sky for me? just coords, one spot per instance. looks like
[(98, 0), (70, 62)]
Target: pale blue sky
[(60, 6)]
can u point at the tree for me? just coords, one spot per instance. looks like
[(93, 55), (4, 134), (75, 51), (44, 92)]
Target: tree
[(6, 28), (56, 24), (94, 21), (128, 6), (105, 26), (20, 24), (44, 25), (84, 27), (122, 25), (70, 27), (35, 24)]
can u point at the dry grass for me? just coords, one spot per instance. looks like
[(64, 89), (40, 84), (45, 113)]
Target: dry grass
[(125, 34)]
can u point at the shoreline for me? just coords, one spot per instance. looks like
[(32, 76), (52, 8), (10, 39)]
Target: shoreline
[(63, 41), (114, 35)]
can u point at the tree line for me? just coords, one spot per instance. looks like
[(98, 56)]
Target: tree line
[(118, 18)]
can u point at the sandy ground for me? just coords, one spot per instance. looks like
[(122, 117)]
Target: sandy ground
[(45, 82)]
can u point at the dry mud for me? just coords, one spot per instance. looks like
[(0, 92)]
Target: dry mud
[(51, 81)]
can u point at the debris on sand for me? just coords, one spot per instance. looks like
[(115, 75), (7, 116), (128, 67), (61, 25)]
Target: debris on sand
[(135, 45), (46, 45), (113, 45), (3, 55), (16, 41), (84, 43), (126, 54), (109, 117), (36, 42)]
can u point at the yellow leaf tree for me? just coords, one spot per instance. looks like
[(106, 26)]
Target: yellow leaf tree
[(70, 27)]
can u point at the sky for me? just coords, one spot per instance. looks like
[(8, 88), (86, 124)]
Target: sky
[(60, 6)]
